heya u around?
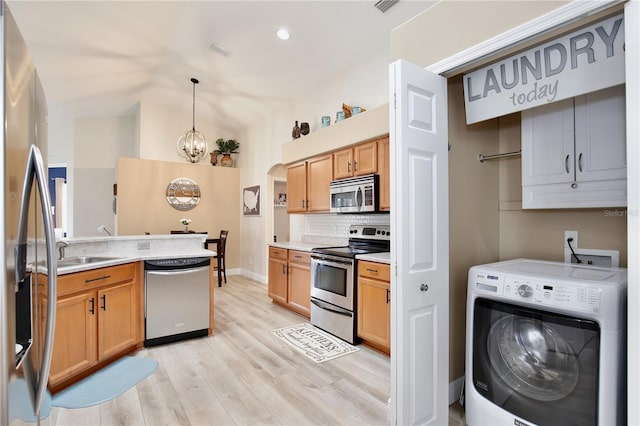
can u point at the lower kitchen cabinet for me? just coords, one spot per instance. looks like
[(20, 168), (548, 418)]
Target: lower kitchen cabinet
[(299, 285), (374, 305), (278, 275), (97, 320), (290, 279)]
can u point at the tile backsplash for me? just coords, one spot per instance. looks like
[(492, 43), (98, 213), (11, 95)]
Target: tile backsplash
[(330, 228)]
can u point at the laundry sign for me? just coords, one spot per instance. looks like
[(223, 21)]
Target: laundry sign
[(589, 59)]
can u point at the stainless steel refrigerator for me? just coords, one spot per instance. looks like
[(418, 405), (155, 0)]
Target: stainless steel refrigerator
[(27, 314)]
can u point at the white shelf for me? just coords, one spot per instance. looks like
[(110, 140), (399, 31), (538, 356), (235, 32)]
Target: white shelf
[(366, 125)]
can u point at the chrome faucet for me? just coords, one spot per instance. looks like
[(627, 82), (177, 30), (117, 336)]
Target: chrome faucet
[(61, 246)]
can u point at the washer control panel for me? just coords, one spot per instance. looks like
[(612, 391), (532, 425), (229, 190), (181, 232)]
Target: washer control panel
[(538, 291)]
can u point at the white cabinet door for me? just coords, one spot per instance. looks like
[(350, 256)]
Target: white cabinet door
[(574, 152), (601, 135), (419, 246), (548, 144)]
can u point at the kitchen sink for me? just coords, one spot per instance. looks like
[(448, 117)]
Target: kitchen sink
[(80, 260)]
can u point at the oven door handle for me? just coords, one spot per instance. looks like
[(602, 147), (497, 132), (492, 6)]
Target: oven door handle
[(331, 308), (331, 260)]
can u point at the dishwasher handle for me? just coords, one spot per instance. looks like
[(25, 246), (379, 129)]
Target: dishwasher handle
[(175, 272)]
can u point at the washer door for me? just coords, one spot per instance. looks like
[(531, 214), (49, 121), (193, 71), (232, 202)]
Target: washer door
[(540, 366), (532, 358)]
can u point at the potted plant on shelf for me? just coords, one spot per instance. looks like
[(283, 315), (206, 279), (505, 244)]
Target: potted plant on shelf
[(226, 147)]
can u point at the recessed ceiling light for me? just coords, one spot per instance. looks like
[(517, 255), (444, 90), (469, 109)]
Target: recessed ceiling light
[(283, 34)]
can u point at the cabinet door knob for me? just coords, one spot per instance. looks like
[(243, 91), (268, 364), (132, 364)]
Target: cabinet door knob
[(104, 302), (574, 185), (92, 310), (566, 163), (388, 294), (348, 166), (424, 287)]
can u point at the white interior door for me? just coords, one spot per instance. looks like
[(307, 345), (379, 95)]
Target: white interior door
[(420, 246)]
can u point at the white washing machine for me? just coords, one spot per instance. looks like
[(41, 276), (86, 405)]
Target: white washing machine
[(546, 344)]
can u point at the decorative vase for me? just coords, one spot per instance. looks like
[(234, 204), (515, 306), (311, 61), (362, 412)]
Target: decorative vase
[(226, 160), (214, 158), (186, 229), (304, 128), (295, 132)]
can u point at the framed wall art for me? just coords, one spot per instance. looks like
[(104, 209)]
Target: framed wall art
[(251, 201)]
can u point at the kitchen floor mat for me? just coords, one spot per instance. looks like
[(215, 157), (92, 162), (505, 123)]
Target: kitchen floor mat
[(106, 384), (314, 343)]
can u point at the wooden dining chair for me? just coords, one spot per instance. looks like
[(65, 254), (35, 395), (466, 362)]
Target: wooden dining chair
[(222, 249)]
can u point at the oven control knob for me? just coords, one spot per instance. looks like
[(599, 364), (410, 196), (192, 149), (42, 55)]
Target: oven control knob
[(525, 290)]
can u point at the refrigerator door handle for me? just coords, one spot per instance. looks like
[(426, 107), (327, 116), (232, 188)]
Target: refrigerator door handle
[(35, 168)]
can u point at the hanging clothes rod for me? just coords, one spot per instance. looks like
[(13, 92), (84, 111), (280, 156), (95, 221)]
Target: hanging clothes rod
[(481, 157)]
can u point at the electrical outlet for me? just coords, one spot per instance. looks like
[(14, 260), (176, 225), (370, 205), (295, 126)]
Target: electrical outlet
[(571, 234)]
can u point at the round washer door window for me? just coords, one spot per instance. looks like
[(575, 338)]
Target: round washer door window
[(183, 194), (532, 358)]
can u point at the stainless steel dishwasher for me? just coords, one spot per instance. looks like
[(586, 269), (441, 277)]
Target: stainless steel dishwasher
[(176, 299)]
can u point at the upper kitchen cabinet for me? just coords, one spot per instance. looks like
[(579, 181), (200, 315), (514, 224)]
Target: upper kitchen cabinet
[(574, 152), (356, 161), (384, 172), (308, 185)]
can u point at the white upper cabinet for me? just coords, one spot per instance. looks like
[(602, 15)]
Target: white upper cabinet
[(574, 152)]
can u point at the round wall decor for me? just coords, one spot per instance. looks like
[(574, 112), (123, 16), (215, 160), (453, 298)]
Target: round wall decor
[(183, 194)]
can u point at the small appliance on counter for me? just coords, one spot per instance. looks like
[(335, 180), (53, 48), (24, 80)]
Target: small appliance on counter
[(333, 279)]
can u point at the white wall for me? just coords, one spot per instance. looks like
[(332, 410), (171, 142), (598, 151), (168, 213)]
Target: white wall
[(97, 144)]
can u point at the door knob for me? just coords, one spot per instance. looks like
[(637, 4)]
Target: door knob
[(424, 287)]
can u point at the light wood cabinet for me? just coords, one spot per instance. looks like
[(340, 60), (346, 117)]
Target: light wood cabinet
[(374, 304), (359, 160), (290, 279), (277, 285), (97, 319), (308, 185), (299, 285), (574, 152), (297, 188), (116, 319), (384, 173)]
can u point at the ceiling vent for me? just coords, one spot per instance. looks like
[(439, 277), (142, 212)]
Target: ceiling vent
[(220, 49), (384, 5)]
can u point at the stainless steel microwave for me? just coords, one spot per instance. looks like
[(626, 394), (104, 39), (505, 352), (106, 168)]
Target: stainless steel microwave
[(355, 195)]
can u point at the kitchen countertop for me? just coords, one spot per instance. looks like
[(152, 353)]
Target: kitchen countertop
[(376, 257), (127, 249)]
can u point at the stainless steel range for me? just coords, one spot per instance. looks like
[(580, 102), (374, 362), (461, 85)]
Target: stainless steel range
[(333, 279)]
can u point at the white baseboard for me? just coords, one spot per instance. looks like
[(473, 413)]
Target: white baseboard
[(260, 278), (455, 388)]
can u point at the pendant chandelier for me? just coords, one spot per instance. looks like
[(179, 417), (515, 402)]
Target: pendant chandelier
[(193, 145)]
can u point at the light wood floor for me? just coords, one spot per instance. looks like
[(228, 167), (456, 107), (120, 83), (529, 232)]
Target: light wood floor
[(243, 375)]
